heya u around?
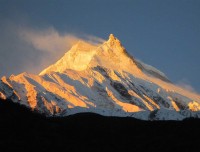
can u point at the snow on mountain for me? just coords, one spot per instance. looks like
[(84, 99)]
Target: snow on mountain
[(103, 79)]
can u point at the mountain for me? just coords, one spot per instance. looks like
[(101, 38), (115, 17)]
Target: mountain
[(103, 79)]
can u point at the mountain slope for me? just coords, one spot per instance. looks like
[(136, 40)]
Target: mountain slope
[(103, 79)]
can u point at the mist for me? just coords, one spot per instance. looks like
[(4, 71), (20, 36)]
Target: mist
[(25, 49), (184, 83)]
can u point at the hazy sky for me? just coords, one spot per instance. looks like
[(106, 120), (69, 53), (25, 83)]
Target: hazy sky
[(162, 33)]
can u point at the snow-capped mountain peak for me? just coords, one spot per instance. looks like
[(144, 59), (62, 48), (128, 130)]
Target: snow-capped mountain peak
[(103, 79), (77, 58), (113, 42), (113, 45), (83, 55)]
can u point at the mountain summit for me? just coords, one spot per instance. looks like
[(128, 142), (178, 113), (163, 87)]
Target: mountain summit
[(103, 79), (84, 55)]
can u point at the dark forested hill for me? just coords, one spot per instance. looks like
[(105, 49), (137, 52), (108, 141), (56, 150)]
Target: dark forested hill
[(22, 129)]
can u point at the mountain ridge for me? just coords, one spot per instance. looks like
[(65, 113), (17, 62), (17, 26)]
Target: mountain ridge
[(22, 129)]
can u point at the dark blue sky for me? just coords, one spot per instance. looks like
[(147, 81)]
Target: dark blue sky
[(162, 33)]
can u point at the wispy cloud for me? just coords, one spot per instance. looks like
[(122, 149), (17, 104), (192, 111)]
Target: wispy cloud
[(50, 40), (184, 83), (28, 49)]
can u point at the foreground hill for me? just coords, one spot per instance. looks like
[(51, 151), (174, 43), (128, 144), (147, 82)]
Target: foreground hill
[(21, 129)]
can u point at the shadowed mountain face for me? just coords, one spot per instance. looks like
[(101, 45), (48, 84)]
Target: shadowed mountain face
[(102, 79), (22, 129)]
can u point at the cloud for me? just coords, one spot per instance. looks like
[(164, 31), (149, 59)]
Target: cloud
[(184, 83), (50, 40), (28, 49), (53, 44), (93, 39)]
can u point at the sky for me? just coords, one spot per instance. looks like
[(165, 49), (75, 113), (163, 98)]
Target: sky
[(164, 34)]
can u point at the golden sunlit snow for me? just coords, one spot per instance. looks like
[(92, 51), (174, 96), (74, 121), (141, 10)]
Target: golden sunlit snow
[(102, 77)]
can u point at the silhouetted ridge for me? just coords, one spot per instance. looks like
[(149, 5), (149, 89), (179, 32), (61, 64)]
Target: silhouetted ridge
[(22, 129)]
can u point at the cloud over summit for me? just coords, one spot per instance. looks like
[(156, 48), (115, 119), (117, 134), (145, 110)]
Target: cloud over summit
[(31, 50)]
